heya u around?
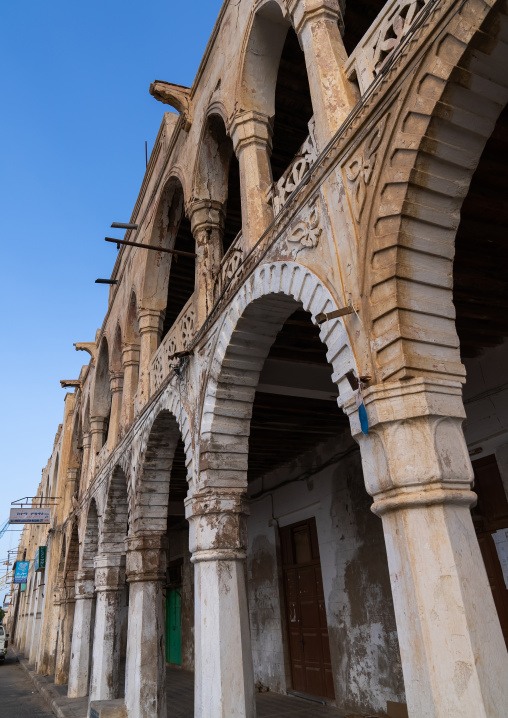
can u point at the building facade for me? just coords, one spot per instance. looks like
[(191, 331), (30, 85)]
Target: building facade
[(266, 468)]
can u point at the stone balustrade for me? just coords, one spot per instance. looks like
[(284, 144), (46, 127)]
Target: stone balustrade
[(229, 264), (176, 340), (281, 190), (382, 38)]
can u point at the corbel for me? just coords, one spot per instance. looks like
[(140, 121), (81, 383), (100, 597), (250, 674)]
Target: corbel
[(176, 96), (70, 383), (89, 347)]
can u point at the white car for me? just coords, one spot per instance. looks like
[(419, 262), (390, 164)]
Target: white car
[(3, 643)]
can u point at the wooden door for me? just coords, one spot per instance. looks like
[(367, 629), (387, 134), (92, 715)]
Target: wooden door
[(309, 648), (490, 515), (174, 625)]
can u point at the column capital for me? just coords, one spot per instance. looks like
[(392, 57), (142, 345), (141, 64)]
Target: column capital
[(109, 572), (146, 557), (84, 585), (205, 214), (303, 11), (116, 381), (251, 127), (217, 520), (98, 424), (150, 320), (130, 354), (87, 439), (415, 453)]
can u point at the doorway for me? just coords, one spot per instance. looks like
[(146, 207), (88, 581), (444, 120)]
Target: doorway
[(490, 518), (174, 616), (309, 649)]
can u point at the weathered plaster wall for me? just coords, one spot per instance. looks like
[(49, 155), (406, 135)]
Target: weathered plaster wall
[(360, 614)]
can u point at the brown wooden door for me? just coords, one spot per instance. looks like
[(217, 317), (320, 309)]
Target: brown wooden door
[(489, 515), (309, 647)]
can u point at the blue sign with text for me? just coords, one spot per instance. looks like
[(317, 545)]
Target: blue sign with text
[(21, 573)]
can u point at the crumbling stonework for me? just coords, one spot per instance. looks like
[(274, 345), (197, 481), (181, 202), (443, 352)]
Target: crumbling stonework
[(319, 177)]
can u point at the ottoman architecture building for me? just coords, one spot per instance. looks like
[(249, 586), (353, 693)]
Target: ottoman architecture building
[(266, 468)]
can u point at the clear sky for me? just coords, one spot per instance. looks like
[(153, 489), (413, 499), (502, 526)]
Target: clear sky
[(75, 116)]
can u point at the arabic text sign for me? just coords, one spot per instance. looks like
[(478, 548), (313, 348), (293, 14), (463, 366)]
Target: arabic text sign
[(21, 573), (30, 516), (40, 559)]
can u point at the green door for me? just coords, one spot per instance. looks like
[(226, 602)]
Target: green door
[(174, 626)]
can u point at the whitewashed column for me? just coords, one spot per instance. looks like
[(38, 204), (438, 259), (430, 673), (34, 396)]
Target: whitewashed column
[(145, 675), (251, 133), (417, 468), (130, 359), (224, 677), (109, 582), (82, 634), (63, 651)]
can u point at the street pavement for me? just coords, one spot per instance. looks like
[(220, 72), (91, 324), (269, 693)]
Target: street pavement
[(18, 696)]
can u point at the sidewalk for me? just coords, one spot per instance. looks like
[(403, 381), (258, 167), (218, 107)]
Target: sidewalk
[(180, 699)]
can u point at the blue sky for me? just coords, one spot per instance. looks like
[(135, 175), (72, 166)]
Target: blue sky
[(75, 116)]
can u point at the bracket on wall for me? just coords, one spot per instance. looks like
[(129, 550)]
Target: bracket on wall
[(176, 96), (70, 383), (321, 318)]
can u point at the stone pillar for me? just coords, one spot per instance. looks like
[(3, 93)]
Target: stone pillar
[(130, 359), (251, 133), (36, 626), (109, 582), (224, 677), (63, 651), (207, 224), (98, 426), (333, 96), (417, 468), (71, 484), (150, 329), (145, 673), (116, 385), (87, 442), (82, 635)]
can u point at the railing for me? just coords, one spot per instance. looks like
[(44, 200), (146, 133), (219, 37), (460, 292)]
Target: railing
[(176, 340), (304, 158), (384, 35), (229, 264), (102, 457)]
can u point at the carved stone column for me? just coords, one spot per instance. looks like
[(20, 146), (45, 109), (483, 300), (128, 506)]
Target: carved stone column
[(98, 426), (224, 678), (85, 464), (333, 96), (116, 385), (145, 673), (71, 484), (251, 133), (207, 224), (150, 329), (417, 468), (82, 635), (130, 358), (63, 651), (109, 583)]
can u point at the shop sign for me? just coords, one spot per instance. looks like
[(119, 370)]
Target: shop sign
[(40, 559), (30, 516), (21, 572)]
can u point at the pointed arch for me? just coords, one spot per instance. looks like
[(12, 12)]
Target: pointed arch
[(116, 517), (91, 538), (166, 424)]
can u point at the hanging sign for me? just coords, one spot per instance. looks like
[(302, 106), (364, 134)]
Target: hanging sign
[(21, 572), (40, 559), (30, 516)]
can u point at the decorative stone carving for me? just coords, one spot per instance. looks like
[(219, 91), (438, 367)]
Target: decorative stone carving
[(395, 25), (307, 231), (229, 268), (281, 190), (186, 326), (360, 168)]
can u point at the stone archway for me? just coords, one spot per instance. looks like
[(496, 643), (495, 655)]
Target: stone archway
[(218, 508), (438, 138)]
